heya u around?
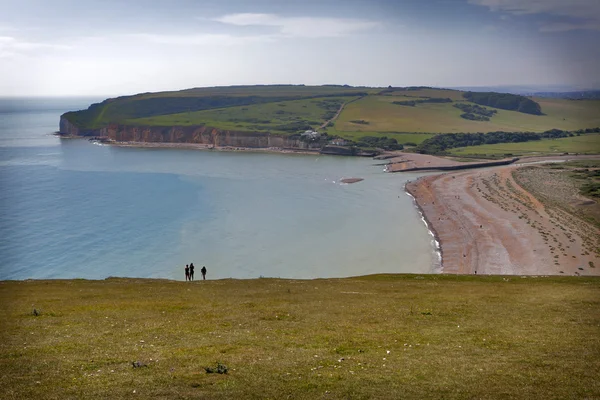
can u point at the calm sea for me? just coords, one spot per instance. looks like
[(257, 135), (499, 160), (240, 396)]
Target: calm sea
[(72, 209)]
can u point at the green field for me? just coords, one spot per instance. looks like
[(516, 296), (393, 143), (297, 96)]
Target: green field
[(584, 144), (384, 336), (383, 115), (257, 117)]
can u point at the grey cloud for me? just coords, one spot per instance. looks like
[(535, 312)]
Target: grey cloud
[(585, 14)]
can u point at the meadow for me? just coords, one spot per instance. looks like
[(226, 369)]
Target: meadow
[(381, 114), (378, 337), (584, 144), (310, 113)]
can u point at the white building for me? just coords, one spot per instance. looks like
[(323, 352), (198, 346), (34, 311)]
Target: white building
[(311, 134)]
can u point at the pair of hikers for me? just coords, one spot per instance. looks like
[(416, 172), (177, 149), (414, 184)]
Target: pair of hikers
[(189, 272)]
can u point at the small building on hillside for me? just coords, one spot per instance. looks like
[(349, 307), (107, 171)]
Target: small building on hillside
[(310, 134), (339, 142)]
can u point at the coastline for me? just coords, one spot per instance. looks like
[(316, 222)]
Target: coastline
[(191, 146), (409, 187), (486, 223)]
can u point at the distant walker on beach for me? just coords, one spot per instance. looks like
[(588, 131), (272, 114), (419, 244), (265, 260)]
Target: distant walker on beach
[(203, 270)]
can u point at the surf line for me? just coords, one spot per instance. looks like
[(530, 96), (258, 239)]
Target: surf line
[(437, 265)]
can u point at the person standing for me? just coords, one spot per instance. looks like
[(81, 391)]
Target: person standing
[(187, 272), (203, 270), (191, 271)]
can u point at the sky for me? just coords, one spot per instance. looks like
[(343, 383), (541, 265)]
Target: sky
[(118, 47)]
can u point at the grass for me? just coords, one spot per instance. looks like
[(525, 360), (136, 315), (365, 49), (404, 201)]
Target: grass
[(383, 115), (382, 336), (402, 138), (567, 186), (584, 144), (256, 117)]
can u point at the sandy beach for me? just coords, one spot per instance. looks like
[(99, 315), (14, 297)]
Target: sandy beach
[(487, 223)]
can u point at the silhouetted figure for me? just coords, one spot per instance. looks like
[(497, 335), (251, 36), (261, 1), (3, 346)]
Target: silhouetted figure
[(203, 270), (191, 271), (187, 272)]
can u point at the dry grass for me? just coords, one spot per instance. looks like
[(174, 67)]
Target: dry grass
[(385, 336)]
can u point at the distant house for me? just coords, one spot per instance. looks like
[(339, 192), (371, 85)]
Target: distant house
[(311, 134), (339, 142)]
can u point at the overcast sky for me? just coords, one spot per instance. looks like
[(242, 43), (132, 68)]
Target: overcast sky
[(114, 47)]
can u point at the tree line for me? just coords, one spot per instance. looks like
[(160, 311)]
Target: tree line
[(504, 101), (412, 103), (475, 112), (439, 144)]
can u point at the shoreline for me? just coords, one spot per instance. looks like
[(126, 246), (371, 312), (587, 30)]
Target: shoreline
[(485, 223), (207, 147), (438, 266)]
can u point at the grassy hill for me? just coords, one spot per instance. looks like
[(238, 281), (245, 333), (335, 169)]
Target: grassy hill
[(290, 109), (381, 336), (383, 115)]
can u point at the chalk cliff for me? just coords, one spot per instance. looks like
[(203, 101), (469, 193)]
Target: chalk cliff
[(200, 135)]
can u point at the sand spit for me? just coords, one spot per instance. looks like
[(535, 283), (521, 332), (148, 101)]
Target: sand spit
[(487, 224), (404, 162)]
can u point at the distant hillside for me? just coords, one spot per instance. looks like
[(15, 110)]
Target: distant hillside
[(123, 109), (577, 95), (409, 115)]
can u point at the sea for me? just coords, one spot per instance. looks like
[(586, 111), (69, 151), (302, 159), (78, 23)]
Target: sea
[(70, 208)]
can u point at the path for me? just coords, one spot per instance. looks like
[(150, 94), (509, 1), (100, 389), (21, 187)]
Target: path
[(339, 112)]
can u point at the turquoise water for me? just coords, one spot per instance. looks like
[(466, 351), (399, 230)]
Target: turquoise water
[(72, 209)]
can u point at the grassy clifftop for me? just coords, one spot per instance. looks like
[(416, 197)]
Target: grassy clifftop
[(406, 114), (382, 336)]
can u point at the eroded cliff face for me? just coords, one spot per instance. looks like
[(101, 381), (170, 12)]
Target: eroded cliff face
[(67, 128), (201, 135)]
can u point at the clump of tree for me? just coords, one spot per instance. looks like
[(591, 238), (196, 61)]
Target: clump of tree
[(588, 130), (474, 117), (360, 122), (412, 103), (475, 112), (505, 101), (440, 143), (379, 142), (331, 107)]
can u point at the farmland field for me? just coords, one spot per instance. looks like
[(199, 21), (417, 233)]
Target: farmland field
[(584, 144), (382, 115)]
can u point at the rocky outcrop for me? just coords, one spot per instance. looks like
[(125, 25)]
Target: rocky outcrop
[(201, 135)]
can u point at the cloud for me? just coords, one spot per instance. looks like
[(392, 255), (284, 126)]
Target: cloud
[(305, 27), (11, 46), (204, 39), (566, 26), (583, 14)]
